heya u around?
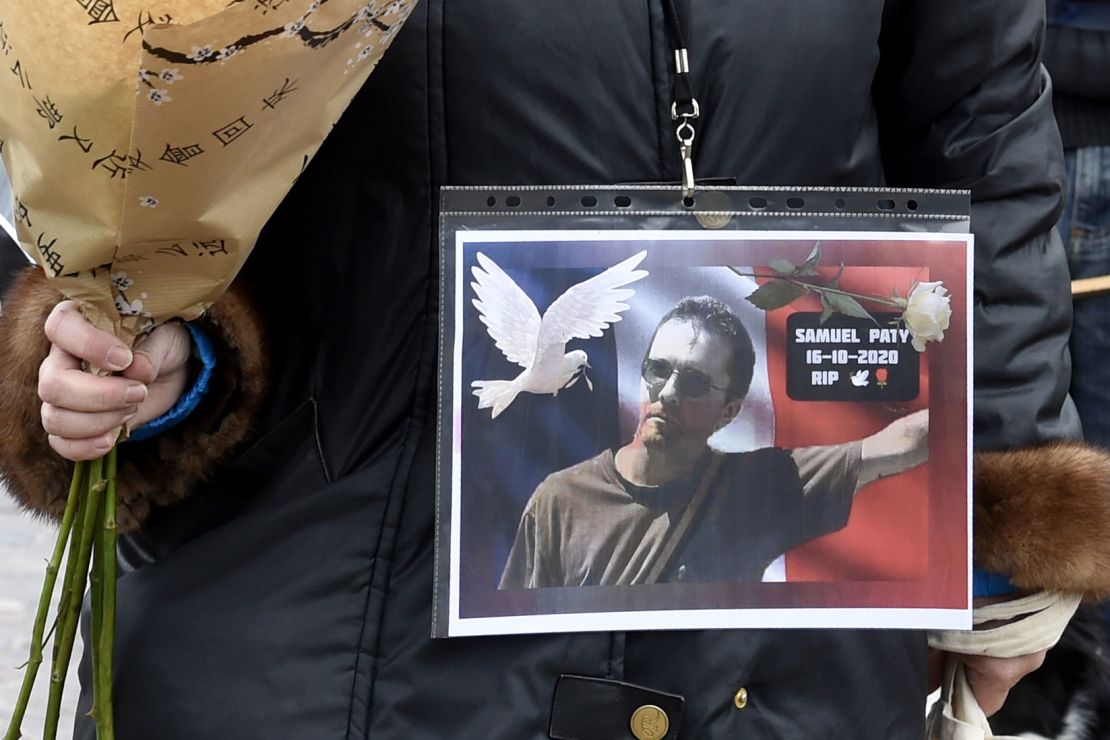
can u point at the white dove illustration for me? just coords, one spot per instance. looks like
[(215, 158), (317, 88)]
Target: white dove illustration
[(539, 345)]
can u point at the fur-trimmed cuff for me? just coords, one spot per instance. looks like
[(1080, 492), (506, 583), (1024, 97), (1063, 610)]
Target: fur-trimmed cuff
[(1042, 517), (159, 471)]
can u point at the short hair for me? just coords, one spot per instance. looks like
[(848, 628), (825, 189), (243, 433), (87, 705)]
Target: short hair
[(714, 316)]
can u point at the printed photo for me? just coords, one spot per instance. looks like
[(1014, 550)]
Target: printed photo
[(672, 429)]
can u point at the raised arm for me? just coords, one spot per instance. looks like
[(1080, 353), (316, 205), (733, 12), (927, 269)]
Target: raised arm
[(901, 445)]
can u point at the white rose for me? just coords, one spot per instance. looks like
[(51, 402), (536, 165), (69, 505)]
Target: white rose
[(927, 313)]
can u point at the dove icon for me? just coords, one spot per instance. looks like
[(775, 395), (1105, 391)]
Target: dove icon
[(859, 378), (539, 344)]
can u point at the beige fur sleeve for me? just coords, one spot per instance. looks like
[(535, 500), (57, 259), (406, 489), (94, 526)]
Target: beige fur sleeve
[(1042, 517)]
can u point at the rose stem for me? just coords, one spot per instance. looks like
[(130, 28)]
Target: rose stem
[(96, 611), (72, 614), (106, 638), (71, 557), (35, 658), (810, 286)]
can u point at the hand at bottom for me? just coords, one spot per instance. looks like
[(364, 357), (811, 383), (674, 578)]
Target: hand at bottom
[(83, 413)]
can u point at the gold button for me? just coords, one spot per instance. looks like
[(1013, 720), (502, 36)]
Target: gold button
[(741, 698), (649, 722)]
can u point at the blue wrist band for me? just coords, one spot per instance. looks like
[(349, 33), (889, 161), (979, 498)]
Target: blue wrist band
[(985, 583), (206, 353)]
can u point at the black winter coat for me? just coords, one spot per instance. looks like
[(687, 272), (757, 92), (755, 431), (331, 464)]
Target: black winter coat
[(291, 598)]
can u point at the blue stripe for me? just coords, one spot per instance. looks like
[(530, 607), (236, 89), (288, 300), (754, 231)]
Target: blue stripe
[(985, 583), (206, 353)]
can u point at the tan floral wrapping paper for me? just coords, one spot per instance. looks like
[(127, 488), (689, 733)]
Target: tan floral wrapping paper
[(148, 141)]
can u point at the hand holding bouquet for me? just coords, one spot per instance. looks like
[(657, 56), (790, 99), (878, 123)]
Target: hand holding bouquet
[(147, 144)]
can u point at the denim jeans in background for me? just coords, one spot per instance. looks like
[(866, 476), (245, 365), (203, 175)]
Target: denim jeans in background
[(1085, 229)]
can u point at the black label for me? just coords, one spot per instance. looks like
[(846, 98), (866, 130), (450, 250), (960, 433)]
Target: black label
[(850, 359)]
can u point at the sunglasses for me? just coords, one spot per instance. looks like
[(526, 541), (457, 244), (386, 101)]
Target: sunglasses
[(688, 383)]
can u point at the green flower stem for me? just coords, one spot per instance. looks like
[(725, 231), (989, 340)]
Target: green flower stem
[(71, 558), (69, 619), (105, 719), (826, 288), (34, 660), (96, 599)]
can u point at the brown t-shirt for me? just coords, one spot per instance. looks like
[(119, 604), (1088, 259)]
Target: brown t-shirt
[(586, 525)]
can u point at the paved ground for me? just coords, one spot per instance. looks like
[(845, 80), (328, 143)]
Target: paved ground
[(25, 546)]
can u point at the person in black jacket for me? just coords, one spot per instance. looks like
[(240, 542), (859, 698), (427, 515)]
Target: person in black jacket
[(1077, 55), (1071, 693), (278, 564)]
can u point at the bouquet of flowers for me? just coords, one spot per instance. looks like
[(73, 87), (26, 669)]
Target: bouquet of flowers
[(147, 145)]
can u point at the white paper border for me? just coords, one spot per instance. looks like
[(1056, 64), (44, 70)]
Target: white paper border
[(755, 618)]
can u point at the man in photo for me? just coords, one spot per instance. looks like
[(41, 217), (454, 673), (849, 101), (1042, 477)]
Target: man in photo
[(666, 507)]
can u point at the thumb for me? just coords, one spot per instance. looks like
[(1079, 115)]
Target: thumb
[(992, 678), (163, 351)]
